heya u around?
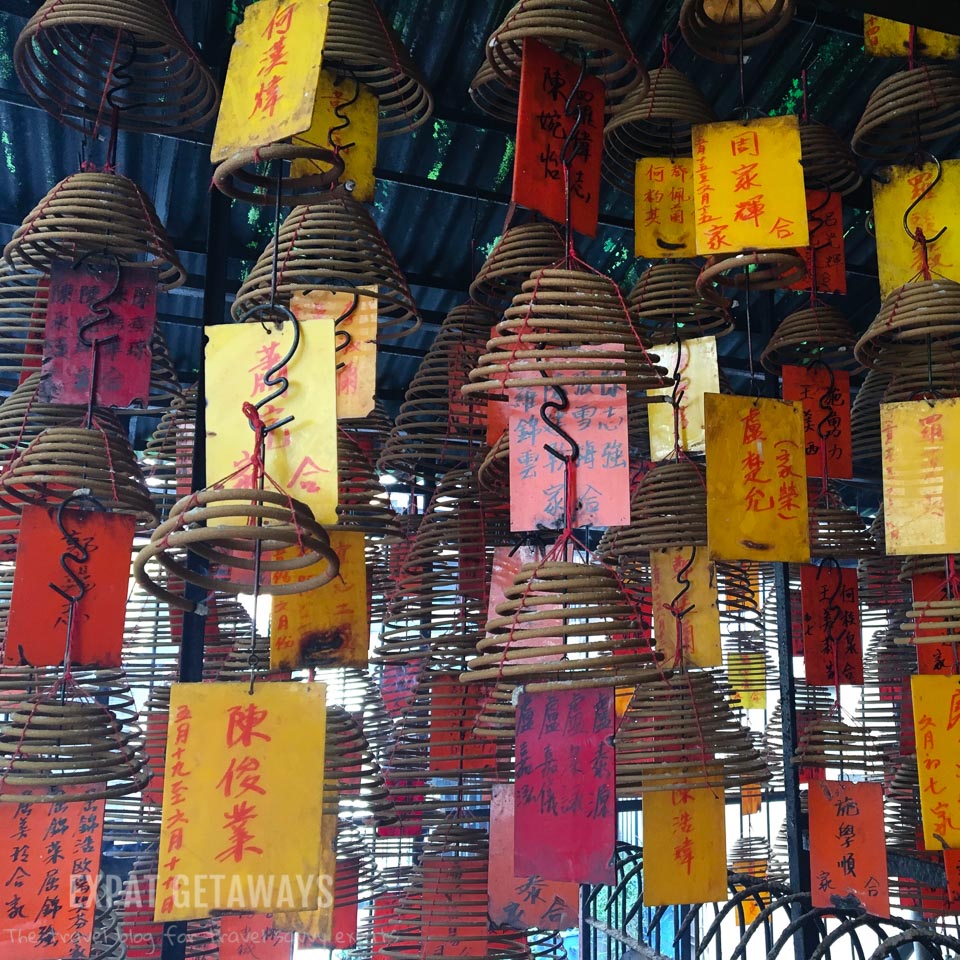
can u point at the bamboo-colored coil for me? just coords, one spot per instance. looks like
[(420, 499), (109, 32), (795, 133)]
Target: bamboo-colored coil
[(492, 96), (357, 692), (107, 939), (828, 162), (865, 418), (75, 55), (95, 212), (243, 177), (249, 659), (364, 505), (23, 319), (168, 458), (927, 372), (753, 850), (227, 527), (567, 327), (816, 333), (902, 817), (907, 109), (370, 432), (836, 744), (656, 123), (227, 624), (152, 633), (837, 530), (332, 245), (883, 595), (720, 32), (760, 270), (811, 703), (164, 381), (522, 250), (493, 473)]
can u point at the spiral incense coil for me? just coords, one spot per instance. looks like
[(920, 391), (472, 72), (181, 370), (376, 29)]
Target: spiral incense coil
[(638, 428), (107, 939), (908, 108), (720, 32), (750, 857), (437, 428), (370, 432), (865, 418), (164, 380), (590, 27), (332, 245), (497, 718), (249, 659), (931, 371), (156, 719), (748, 658), (23, 319), (62, 460), (207, 524), (837, 530), (655, 123), (883, 595), (941, 618), (152, 633), (379, 582), (546, 945), (522, 250), (902, 817), (103, 213), (357, 879), (490, 95), (759, 270), (914, 313), (493, 473), (239, 176), (682, 733), (666, 305), (357, 692), (364, 504), (828, 162), (168, 458), (815, 334), (811, 704), (882, 703), (829, 742)]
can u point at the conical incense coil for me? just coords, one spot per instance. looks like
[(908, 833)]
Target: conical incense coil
[(164, 380), (720, 32), (357, 879), (492, 96), (901, 805), (79, 60), (656, 123), (588, 26), (750, 856), (357, 692), (493, 473), (168, 458), (102, 213), (249, 659), (370, 432), (130, 826), (332, 245), (748, 659), (914, 313), (497, 719), (865, 418), (437, 428), (908, 108), (522, 250), (837, 745), (760, 270), (364, 504), (566, 327), (810, 704), (228, 527), (156, 720), (883, 595), (23, 319), (228, 626), (682, 733), (638, 428), (930, 371), (379, 583), (837, 530), (815, 334), (667, 306), (546, 945), (828, 162), (932, 621), (741, 619), (152, 633), (107, 939)]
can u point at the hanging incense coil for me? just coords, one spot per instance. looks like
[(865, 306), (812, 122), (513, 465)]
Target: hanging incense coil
[(107, 941), (156, 719), (590, 27), (358, 694), (837, 530), (940, 618), (568, 326), (927, 372), (655, 123), (493, 473), (364, 504), (437, 428), (152, 633), (682, 733), (227, 527), (759, 270), (332, 245), (835, 744), (497, 718), (828, 162), (490, 95), (240, 178), (865, 419), (886, 701), (546, 945), (168, 458), (357, 879), (901, 805), (638, 428), (907, 109), (23, 319), (227, 626), (164, 380), (750, 856), (370, 432), (810, 704), (720, 32), (883, 595), (522, 250), (817, 333), (249, 660), (103, 213), (747, 659)]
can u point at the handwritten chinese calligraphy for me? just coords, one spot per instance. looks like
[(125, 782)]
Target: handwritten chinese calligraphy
[(825, 396), (825, 256), (252, 936), (663, 208), (891, 38), (747, 675), (936, 721), (832, 651), (936, 651)]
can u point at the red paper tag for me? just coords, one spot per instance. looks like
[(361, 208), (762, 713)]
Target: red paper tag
[(37, 628), (832, 651), (547, 80), (126, 298), (951, 863), (564, 801), (825, 395), (398, 681), (385, 923), (253, 937), (498, 418), (344, 932), (932, 657), (453, 745), (825, 257)]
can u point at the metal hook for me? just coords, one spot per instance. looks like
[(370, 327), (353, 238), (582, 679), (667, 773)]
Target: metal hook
[(927, 190), (827, 398), (559, 406), (76, 551), (571, 149), (346, 121), (674, 606), (101, 312)]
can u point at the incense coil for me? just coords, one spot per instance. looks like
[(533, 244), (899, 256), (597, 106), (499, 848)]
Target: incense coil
[(908, 108), (837, 530), (833, 743), (566, 327), (522, 250), (901, 806), (238, 176), (206, 524), (357, 879), (590, 27), (750, 857), (865, 419), (152, 633), (369, 432), (885, 700), (168, 457), (157, 714), (655, 123), (103, 213), (748, 659), (759, 270), (721, 39), (810, 704), (546, 945), (493, 474), (78, 59), (666, 305), (828, 162), (107, 938), (882, 593), (164, 380), (490, 95), (356, 691), (928, 372), (249, 660), (363, 503), (332, 245), (817, 333), (23, 319), (914, 313), (497, 718), (682, 733), (739, 601), (940, 618), (227, 624)]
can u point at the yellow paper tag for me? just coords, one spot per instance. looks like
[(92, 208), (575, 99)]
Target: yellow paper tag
[(936, 720), (921, 463), (746, 673), (890, 38), (341, 98), (698, 374), (750, 797), (756, 480), (663, 208), (748, 186), (272, 77), (684, 847), (234, 780)]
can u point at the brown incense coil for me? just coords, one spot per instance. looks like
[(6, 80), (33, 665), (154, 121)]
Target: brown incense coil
[(522, 250), (906, 109), (130, 826), (546, 945), (493, 473), (357, 879), (357, 692), (23, 319), (156, 718), (815, 334), (638, 428), (931, 371), (168, 458), (837, 530), (750, 856), (227, 626), (810, 703), (901, 808), (666, 304), (152, 633), (935, 563), (370, 432), (941, 618), (227, 528), (164, 380), (567, 327), (720, 31), (655, 123), (885, 699), (240, 178), (914, 313), (590, 27), (683, 733), (828, 163), (497, 718), (437, 428), (62, 460), (79, 59), (103, 213), (828, 742), (364, 504), (883, 595), (891, 659), (492, 96), (865, 419), (332, 245), (759, 270), (379, 583), (249, 660), (107, 938)]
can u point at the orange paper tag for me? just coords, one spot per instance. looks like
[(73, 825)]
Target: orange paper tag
[(825, 396), (825, 257), (252, 936), (832, 650), (936, 719)]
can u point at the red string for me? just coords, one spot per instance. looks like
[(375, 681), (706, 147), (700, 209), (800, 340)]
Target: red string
[(106, 85), (912, 48), (804, 113), (924, 256), (666, 47)]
